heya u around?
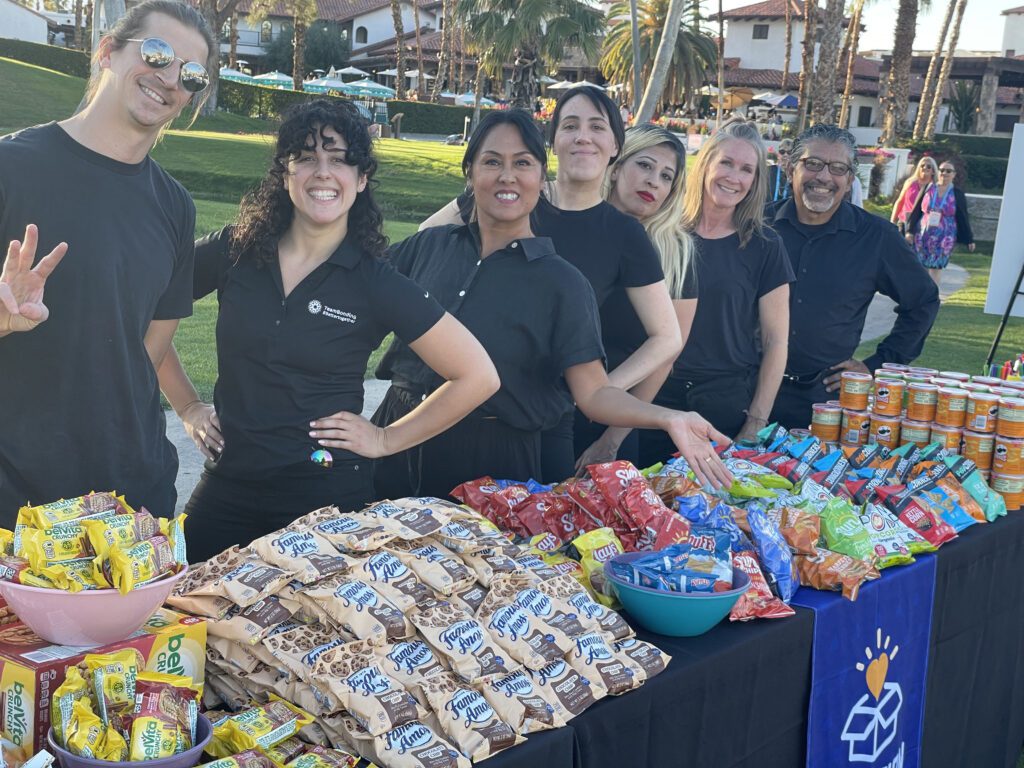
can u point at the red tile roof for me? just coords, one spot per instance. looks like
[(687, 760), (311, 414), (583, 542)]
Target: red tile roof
[(769, 9), (1018, 9), (336, 10)]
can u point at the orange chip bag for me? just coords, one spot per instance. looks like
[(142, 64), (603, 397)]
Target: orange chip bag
[(833, 571)]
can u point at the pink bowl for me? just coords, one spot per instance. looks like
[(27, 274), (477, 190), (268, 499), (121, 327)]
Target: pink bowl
[(90, 617), (186, 759)]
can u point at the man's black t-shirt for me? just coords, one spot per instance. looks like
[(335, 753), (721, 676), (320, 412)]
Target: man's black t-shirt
[(79, 399), (730, 281), (285, 360)]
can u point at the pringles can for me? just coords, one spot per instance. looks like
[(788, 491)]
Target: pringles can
[(888, 397), (855, 427), (916, 432), (1010, 422), (826, 422), (885, 430), (982, 412), (948, 437), (951, 407), (1011, 488), (979, 447), (854, 389), (1008, 455), (921, 401)]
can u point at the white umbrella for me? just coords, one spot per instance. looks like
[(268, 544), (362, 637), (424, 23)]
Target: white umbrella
[(368, 88), (275, 77), (323, 85), (352, 71), (470, 98), (391, 73), (565, 85), (226, 73), (545, 80)]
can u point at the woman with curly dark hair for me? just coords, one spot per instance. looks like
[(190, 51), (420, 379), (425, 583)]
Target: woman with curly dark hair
[(305, 295)]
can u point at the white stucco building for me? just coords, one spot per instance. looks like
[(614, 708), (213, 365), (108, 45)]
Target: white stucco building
[(21, 23), (1013, 32), (756, 34)]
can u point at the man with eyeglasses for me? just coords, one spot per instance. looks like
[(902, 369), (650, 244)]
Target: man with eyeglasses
[(81, 334), (841, 255)]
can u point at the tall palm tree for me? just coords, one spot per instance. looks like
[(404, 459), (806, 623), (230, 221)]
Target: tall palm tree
[(693, 54), (421, 81), (233, 42), (721, 65), (789, 43), (531, 33), (824, 83), (634, 26), (897, 94), (662, 60), (947, 64), (807, 62), (216, 12), (928, 90), (853, 36), (442, 62), (396, 20)]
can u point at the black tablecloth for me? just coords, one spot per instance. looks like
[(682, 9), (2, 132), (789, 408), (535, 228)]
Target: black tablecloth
[(738, 695)]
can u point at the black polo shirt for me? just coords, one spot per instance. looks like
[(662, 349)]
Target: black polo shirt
[(532, 311), (839, 267), (283, 361)]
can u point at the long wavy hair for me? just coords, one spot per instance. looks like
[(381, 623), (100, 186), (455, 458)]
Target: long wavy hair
[(748, 218), (267, 211), (665, 227)]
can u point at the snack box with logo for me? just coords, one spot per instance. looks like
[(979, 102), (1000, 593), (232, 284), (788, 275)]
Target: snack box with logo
[(31, 669)]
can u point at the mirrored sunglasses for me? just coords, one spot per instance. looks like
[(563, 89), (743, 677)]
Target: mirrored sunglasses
[(158, 54)]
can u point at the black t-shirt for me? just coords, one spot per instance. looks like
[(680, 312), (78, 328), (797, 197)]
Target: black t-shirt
[(534, 313), (79, 400), (730, 281), (283, 361)]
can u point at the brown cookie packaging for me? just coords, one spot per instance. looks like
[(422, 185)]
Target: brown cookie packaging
[(467, 718), (461, 639)]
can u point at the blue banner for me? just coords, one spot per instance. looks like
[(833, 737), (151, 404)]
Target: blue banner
[(869, 667)]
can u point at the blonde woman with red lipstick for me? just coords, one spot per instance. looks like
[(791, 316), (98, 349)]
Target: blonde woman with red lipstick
[(735, 354)]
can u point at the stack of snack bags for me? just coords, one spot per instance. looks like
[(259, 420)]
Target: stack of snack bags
[(109, 708), (413, 632), (95, 541)]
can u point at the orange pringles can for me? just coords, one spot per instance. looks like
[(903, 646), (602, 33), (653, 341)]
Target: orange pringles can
[(1010, 422), (854, 389), (916, 432), (1008, 455), (948, 437), (826, 422), (982, 412), (885, 430), (855, 427), (951, 406), (979, 447), (888, 397), (921, 402), (1011, 488)]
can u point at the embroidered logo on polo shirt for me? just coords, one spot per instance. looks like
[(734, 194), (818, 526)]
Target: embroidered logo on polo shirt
[(315, 308)]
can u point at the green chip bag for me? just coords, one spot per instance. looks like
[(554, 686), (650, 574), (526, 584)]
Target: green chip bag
[(894, 543), (844, 532)]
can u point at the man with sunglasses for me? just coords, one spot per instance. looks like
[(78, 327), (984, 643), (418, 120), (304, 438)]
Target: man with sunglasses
[(778, 174), (841, 255), (80, 339)]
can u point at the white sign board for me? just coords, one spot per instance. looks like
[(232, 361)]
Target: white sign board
[(1009, 251)]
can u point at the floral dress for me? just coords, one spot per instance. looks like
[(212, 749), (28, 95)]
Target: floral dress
[(934, 240)]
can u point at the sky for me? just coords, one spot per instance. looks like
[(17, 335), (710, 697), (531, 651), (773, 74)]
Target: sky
[(982, 28)]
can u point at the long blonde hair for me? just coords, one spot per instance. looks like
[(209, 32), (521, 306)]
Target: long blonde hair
[(748, 218), (665, 228), (930, 161)]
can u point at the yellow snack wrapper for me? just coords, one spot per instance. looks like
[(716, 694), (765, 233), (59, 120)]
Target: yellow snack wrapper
[(251, 758), (595, 548), (128, 568), (6, 542), (71, 576), (84, 731), (71, 690), (113, 680), (262, 726), (91, 505), (60, 543), (164, 721), (120, 530), (113, 747)]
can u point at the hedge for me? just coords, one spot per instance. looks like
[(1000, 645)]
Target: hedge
[(984, 174), (986, 146), (423, 117), (66, 60)]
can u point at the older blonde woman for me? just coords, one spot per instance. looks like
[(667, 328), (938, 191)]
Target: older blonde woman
[(925, 174)]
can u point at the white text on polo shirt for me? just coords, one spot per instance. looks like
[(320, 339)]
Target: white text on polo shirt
[(316, 308)]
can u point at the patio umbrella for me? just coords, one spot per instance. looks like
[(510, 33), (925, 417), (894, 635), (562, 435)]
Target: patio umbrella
[(469, 99), (369, 88), (734, 97), (274, 78), (352, 71), (777, 99), (226, 73), (566, 84), (545, 80), (324, 85)]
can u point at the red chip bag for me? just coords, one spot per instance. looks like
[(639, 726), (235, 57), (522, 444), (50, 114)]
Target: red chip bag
[(644, 511), (672, 530), (612, 478), (915, 515), (476, 493), (757, 602), (594, 505), (547, 512)]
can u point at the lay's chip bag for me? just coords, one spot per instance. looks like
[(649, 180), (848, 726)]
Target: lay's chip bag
[(595, 548)]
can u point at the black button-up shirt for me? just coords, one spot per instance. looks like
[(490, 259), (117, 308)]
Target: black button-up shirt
[(532, 311), (285, 360), (839, 267)]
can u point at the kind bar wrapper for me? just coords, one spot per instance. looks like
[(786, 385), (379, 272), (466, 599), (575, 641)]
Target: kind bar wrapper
[(521, 704), (460, 638), (415, 745), (524, 637), (250, 758), (435, 565), (377, 701), (354, 533), (834, 571), (90, 505), (575, 693), (649, 657), (250, 625), (411, 663), (362, 610), (321, 757), (408, 519), (305, 554), (595, 549), (393, 579), (468, 719), (594, 658), (262, 726), (591, 614)]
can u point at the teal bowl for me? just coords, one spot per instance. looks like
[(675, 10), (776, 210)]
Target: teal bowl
[(674, 613)]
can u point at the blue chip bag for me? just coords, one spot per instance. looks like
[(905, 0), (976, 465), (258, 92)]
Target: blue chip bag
[(699, 511), (947, 506), (773, 552)]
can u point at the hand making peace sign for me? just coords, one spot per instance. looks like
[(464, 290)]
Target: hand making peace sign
[(21, 285)]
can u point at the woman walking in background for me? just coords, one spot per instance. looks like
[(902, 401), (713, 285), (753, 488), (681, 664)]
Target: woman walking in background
[(926, 173), (939, 221)]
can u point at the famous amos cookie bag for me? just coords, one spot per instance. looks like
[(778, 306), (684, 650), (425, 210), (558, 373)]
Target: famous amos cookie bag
[(522, 705), (463, 641), (411, 663), (525, 637), (416, 745), (594, 658), (467, 718)]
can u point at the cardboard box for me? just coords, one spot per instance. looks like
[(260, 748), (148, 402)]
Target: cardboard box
[(31, 668)]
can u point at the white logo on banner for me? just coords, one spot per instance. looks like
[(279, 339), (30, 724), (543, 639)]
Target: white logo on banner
[(871, 725)]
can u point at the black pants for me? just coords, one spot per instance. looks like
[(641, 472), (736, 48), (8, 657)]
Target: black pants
[(472, 448), (720, 400), (225, 511), (793, 403)]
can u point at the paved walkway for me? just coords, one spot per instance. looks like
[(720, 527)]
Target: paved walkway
[(879, 320)]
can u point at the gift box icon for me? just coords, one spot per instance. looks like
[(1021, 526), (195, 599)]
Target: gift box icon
[(871, 726)]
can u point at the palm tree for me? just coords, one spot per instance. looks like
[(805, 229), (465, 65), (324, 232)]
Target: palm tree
[(824, 83), (662, 60), (693, 54), (721, 65), (947, 64), (897, 94), (421, 81), (963, 104), (853, 38), (807, 62), (789, 44), (634, 27), (442, 62), (216, 12), (531, 34), (927, 92), (396, 18)]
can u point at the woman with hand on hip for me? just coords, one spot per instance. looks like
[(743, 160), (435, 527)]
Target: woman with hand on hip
[(732, 365), (939, 221)]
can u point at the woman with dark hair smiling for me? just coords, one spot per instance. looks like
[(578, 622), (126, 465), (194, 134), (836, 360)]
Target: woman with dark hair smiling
[(305, 296), (610, 248), (536, 316)]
